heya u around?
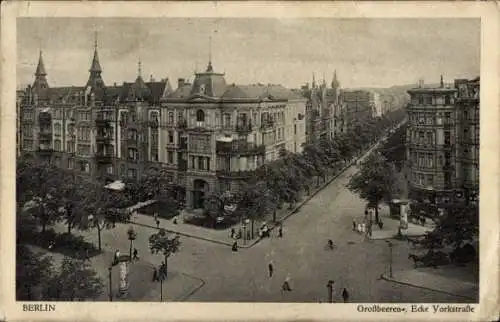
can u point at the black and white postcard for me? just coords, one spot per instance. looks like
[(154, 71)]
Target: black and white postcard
[(249, 161)]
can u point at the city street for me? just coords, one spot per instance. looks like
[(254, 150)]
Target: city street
[(355, 264)]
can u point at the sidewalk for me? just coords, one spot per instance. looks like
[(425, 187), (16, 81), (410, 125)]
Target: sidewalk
[(391, 225), (178, 286), (429, 278), (222, 236)]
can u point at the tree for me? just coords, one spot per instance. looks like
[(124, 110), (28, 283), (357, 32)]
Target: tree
[(101, 210), (76, 280), (374, 181), (72, 192), (459, 224), (163, 243), (215, 205), (254, 202), (33, 271)]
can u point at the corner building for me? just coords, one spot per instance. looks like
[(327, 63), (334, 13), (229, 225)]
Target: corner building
[(443, 142), (214, 135)]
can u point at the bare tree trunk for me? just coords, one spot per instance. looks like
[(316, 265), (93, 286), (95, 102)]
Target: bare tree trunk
[(99, 229), (376, 213), (252, 227)]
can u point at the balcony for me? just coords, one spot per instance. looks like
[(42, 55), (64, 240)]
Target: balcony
[(182, 124), (153, 124), (183, 144), (47, 135), (239, 148), (268, 125), (241, 174), (103, 158), (103, 138), (244, 128)]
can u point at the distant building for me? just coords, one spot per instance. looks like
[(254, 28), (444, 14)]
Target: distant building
[(363, 102), (209, 136), (443, 141), (323, 105)]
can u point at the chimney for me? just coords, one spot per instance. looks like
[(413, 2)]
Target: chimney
[(420, 83), (180, 82), (151, 79)]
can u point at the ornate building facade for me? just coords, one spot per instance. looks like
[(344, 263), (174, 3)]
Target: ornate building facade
[(443, 141), (208, 135), (324, 109)]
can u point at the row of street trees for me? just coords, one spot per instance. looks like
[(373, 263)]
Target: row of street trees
[(284, 180)]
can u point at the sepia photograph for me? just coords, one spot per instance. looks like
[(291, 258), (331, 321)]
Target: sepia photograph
[(331, 160)]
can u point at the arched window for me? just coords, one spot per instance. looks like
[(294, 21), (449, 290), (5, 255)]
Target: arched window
[(200, 116)]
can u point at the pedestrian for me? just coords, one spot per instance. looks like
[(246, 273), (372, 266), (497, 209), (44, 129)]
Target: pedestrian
[(233, 232), (345, 295), (286, 285), (175, 221), (155, 275), (354, 224), (280, 231), (271, 269), (330, 244), (117, 256), (135, 254), (235, 247), (158, 223), (87, 257)]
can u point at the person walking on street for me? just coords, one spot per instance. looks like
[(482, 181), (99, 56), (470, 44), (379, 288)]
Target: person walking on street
[(233, 233), (157, 223), (345, 295), (235, 247), (280, 231), (271, 269), (155, 275), (354, 224), (135, 257), (87, 257), (286, 285)]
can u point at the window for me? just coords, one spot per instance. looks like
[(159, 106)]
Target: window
[(170, 137), (70, 147), (154, 156), (226, 122), (429, 138), (447, 138), (57, 129), (109, 169), (447, 100), (132, 154), (447, 117), (132, 173), (170, 117), (428, 100), (122, 169), (57, 145), (132, 135), (180, 116), (84, 166), (71, 164), (421, 137), (421, 100), (430, 160), (170, 157), (200, 116), (430, 180)]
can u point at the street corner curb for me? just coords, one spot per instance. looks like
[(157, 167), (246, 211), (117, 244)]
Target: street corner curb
[(384, 276), (196, 289)]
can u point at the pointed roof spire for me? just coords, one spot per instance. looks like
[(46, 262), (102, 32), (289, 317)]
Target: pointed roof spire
[(313, 81), (335, 82), (139, 69), (40, 69), (96, 66), (441, 82), (210, 67)]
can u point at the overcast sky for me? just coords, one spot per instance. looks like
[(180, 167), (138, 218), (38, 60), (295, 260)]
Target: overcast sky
[(365, 52)]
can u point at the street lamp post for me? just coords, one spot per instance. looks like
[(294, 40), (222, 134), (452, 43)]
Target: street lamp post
[(390, 258), (161, 289), (131, 236), (110, 284)]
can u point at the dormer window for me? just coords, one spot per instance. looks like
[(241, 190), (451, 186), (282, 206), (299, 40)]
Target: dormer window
[(200, 116)]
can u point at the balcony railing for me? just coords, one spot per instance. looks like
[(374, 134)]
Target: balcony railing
[(102, 157), (244, 128), (182, 124), (240, 148), (268, 124), (153, 123), (241, 174)]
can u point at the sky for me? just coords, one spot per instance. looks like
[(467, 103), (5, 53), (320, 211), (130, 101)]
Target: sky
[(364, 52)]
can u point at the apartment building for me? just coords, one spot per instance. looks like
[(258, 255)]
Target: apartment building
[(207, 135), (443, 141)]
